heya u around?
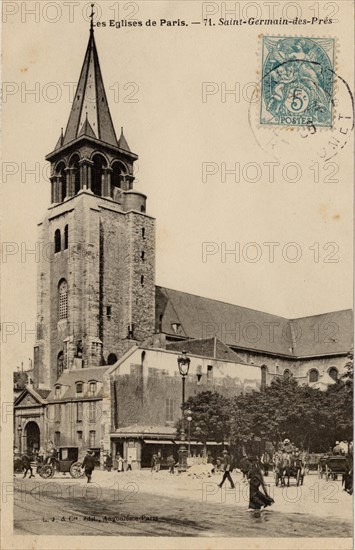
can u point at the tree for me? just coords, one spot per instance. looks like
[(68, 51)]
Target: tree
[(339, 404), (209, 422), (283, 409)]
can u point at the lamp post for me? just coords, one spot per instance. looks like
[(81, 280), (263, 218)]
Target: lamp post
[(19, 429), (184, 365), (189, 418)]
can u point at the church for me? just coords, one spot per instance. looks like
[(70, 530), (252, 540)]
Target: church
[(105, 371)]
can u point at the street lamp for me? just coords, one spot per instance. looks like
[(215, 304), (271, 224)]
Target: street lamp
[(184, 365), (19, 429), (189, 418)]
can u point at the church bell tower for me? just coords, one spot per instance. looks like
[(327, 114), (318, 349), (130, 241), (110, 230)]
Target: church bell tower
[(96, 278)]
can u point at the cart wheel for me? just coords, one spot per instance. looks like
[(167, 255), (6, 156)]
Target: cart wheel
[(46, 471), (76, 470)]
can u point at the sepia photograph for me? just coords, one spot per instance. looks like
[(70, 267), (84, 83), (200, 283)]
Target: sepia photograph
[(177, 274)]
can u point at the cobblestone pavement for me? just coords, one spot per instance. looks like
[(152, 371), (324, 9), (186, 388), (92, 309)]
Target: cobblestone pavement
[(142, 503)]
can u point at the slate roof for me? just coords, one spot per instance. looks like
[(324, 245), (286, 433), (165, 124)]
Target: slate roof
[(68, 379), (122, 142), (206, 347), (90, 102), (328, 332), (196, 317), (43, 393)]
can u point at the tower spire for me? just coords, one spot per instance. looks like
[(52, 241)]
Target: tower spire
[(90, 106)]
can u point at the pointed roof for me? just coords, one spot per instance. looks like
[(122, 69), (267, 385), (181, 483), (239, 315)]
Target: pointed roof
[(122, 142), (86, 129), (60, 141), (34, 397), (90, 110)]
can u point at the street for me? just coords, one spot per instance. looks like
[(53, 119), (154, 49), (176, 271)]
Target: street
[(158, 504)]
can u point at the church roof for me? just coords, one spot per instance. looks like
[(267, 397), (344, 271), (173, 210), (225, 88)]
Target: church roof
[(187, 316), (90, 102), (206, 347)]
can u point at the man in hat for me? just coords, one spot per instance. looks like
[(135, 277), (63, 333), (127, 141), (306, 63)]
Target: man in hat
[(287, 446), (89, 464), (228, 468)]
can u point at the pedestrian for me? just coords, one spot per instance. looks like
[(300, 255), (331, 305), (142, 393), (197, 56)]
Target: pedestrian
[(227, 468), (26, 464), (129, 463), (265, 461), (158, 461), (171, 464), (245, 466), (89, 464), (119, 463), (153, 462), (257, 500), (348, 476), (108, 463)]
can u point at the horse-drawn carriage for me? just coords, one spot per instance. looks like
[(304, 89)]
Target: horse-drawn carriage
[(287, 466), (65, 461), (333, 466)]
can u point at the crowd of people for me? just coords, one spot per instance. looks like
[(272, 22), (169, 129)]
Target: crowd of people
[(252, 468)]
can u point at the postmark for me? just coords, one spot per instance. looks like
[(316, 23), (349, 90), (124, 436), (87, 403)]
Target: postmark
[(297, 81), (306, 142)]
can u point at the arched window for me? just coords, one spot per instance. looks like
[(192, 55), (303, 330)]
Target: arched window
[(287, 374), (98, 174), (263, 369), (63, 299), (313, 375), (60, 363), (143, 233), (333, 373), (57, 241), (62, 175), (66, 234), (142, 280), (143, 357), (74, 164), (112, 359)]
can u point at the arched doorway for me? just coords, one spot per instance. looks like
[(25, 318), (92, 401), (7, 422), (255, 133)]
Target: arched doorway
[(32, 434)]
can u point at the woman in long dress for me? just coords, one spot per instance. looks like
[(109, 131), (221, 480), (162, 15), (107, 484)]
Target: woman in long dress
[(257, 500)]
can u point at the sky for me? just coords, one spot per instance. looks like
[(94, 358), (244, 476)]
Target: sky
[(168, 87)]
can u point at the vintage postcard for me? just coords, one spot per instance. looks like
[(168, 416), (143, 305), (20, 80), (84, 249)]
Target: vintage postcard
[(177, 274)]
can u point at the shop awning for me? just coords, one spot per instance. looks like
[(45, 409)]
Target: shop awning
[(158, 442)]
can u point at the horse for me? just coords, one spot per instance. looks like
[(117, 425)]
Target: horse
[(295, 467), (281, 463)]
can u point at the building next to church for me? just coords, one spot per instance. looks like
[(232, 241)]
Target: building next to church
[(105, 361)]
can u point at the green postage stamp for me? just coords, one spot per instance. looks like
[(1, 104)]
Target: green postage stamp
[(297, 81)]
